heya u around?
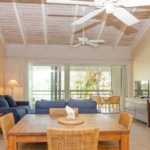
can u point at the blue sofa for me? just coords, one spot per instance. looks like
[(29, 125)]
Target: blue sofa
[(18, 108), (84, 106)]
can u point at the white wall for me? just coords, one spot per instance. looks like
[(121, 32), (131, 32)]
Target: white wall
[(62, 52), (141, 58), (2, 68)]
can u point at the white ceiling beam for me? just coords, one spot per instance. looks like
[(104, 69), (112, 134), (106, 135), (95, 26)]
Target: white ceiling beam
[(3, 39), (119, 36), (140, 34), (44, 24), (73, 27), (120, 33), (20, 22), (102, 25)]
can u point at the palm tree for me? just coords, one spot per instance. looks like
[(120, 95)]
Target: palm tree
[(95, 78), (88, 81)]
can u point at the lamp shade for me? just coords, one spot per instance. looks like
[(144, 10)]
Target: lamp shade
[(12, 83)]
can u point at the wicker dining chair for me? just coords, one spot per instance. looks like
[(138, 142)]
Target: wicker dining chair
[(114, 100), (125, 120), (73, 139), (91, 96), (60, 111), (7, 122), (98, 100)]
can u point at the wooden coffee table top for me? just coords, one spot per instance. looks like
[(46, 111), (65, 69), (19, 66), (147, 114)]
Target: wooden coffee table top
[(33, 124), (1, 114)]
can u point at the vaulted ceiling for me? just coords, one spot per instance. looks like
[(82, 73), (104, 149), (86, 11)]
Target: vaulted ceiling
[(35, 22)]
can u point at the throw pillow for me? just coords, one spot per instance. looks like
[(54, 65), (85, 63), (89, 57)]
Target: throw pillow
[(3, 102), (10, 101)]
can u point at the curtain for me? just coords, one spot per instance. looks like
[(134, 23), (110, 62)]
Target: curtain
[(18, 69)]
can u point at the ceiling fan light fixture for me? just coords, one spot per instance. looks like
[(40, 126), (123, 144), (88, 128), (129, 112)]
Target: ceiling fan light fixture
[(109, 8)]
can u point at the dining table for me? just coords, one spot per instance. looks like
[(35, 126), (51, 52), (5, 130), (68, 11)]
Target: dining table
[(32, 128)]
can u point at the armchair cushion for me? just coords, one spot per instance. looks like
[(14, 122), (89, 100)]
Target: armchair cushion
[(3, 102), (10, 101)]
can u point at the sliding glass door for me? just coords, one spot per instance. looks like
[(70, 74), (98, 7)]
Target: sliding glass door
[(53, 82), (47, 83)]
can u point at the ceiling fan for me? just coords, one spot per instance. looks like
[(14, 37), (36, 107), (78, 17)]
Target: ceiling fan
[(111, 6), (86, 41)]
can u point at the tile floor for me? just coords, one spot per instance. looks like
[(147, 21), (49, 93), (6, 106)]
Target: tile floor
[(139, 137)]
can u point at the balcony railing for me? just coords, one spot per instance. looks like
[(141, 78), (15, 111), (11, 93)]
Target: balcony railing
[(47, 94), (74, 94), (83, 94)]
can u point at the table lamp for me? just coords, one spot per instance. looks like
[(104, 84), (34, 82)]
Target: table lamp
[(13, 83)]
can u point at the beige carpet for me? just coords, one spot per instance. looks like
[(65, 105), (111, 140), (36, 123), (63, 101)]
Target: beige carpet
[(25, 146)]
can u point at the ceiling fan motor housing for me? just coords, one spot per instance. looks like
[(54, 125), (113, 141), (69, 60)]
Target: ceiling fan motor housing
[(109, 8)]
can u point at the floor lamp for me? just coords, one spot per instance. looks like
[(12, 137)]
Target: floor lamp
[(13, 83)]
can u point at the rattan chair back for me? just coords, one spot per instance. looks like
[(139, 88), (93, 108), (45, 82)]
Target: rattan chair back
[(91, 96), (114, 100), (73, 139), (125, 120), (97, 99), (60, 111), (7, 122)]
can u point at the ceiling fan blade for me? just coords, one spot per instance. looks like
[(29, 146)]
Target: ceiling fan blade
[(135, 3), (97, 41), (77, 45), (91, 44), (69, 2), (80, 39), (87, 17), (125, 16)]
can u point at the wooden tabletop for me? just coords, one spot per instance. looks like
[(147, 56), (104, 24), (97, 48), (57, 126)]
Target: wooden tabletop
[(33, 124)]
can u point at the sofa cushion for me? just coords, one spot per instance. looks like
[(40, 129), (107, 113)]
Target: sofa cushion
[(32, 111), (41, 111), (26, 107), (50, 104), (44, 100), (10, 101), (88, 111), (3, 102), (82, 104), (20, 113), (81, 99), (51, 100)]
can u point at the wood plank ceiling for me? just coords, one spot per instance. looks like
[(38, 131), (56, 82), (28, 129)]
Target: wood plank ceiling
[(35, 22)]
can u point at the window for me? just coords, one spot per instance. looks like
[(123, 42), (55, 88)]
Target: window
[(85, 80)]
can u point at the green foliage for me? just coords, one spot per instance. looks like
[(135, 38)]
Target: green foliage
[(88, 81)]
